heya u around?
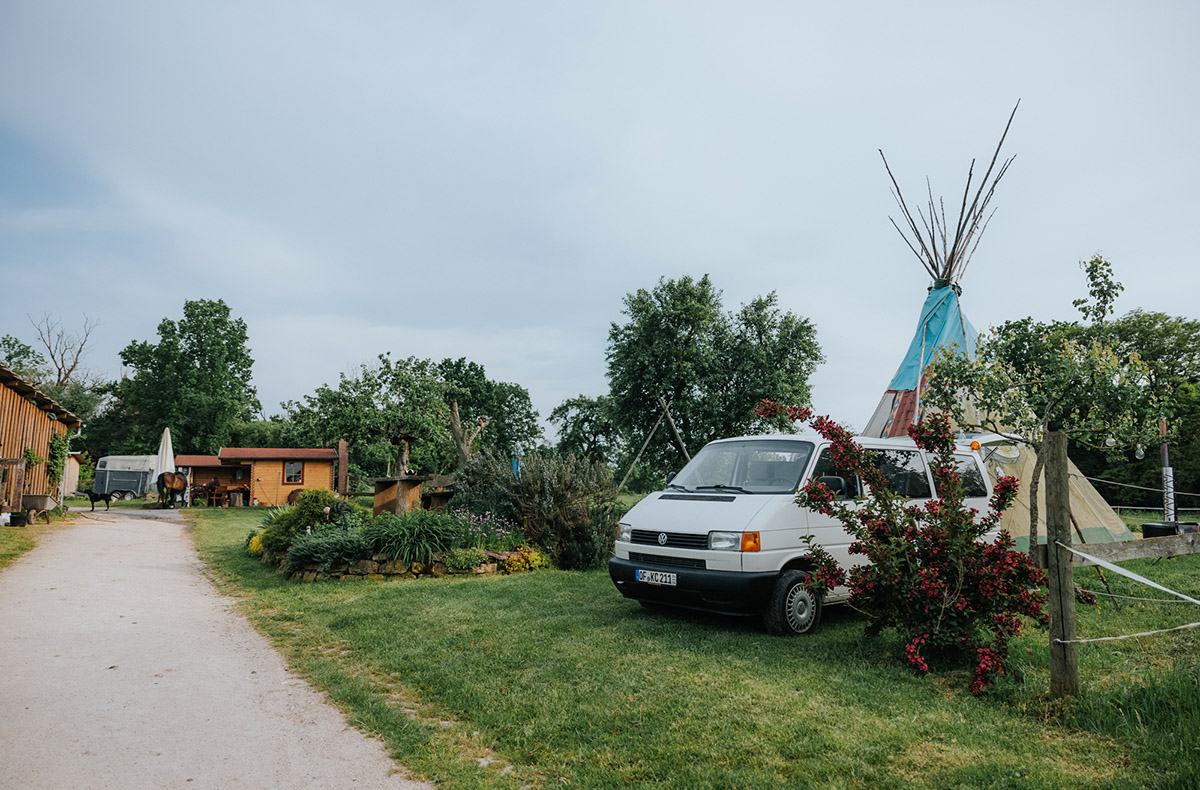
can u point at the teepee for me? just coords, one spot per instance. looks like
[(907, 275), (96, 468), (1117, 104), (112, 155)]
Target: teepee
[(944, 252)]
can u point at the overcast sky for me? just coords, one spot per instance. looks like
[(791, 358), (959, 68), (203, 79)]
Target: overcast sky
[(489, 179)]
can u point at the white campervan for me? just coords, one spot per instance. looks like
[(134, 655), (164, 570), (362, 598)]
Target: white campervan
[(726, 535)]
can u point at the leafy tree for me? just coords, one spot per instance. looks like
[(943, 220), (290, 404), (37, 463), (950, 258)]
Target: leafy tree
[(1028, 378), (679, 344), (374, 410), (507, 409), (22, 359), (586, 428), (194, 380), (1170, 349)]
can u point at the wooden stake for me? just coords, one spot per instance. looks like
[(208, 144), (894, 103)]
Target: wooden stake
[(666, 407), (1064, 661)]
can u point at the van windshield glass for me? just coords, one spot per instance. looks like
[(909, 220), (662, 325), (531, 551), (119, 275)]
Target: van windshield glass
[(752, 466)]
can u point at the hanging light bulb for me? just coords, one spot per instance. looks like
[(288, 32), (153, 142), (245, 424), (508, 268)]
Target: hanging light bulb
[(1139, 452), (1111, 441)]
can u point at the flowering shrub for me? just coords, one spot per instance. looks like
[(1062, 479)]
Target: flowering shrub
[(930, 577), (485, 531), (527, 558)]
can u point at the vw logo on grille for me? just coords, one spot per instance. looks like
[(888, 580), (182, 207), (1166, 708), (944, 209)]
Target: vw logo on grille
[(662, 538)]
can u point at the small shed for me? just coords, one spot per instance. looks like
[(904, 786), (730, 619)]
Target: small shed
[(269, 474), (28, 420)]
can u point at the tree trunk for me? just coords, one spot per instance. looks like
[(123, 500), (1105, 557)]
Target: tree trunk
[(402, 459), (462, 439), (1034, 485)]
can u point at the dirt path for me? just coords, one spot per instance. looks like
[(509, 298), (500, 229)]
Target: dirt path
[(121, 667)]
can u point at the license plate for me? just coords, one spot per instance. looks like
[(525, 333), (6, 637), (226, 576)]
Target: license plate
[(656, 577)]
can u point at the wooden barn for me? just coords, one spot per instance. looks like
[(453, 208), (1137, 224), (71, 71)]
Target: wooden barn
[(264, 475), (28, 420)]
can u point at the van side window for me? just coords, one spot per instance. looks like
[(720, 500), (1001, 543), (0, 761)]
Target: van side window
[(905, 470), (972, 479), (825, 468)]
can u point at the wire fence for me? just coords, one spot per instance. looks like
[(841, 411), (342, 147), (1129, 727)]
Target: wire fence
[(1141, 579)]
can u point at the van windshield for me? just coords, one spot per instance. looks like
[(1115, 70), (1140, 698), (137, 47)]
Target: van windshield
[(752, 466)]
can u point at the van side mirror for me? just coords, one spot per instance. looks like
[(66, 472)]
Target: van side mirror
[(670, 477), (835, 484)]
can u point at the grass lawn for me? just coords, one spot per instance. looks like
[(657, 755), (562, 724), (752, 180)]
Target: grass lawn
[(552, 679)]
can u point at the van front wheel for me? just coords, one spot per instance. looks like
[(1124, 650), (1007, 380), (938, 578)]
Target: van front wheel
[(793, 610)]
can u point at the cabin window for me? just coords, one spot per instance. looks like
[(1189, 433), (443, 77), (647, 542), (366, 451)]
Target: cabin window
[(293, 472)]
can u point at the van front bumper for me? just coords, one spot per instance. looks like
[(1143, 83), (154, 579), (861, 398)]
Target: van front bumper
[(724, 592)]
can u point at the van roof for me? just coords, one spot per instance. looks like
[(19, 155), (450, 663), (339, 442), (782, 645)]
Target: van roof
[(870, 442)]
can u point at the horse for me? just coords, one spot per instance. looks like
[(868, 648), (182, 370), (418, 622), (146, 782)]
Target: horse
[(170, 485)]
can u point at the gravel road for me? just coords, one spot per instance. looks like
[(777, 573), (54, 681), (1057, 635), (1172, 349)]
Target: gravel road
[(122, 667)]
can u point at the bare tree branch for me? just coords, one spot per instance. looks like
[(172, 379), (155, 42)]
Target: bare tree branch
[(64, 350)]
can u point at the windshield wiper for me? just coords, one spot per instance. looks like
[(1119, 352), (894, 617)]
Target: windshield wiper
[(721, 487), (681, 488)]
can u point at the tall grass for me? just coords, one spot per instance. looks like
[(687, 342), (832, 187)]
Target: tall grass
[(1160, 716)]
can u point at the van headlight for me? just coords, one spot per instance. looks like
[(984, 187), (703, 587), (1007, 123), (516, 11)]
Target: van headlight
[(725, 541), (624, 533)]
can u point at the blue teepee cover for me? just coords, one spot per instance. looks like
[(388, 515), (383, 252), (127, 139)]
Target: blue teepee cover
[(942, 324)]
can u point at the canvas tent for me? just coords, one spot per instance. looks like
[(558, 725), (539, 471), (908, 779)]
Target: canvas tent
[(943, 326)]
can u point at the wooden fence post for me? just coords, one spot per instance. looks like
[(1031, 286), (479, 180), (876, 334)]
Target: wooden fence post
[(1064, 661)]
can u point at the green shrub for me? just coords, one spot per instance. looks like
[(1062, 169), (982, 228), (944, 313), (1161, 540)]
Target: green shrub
[(329, 548), (465, 558), (411, 537), (563, 503), (308, 512), (272, 513)]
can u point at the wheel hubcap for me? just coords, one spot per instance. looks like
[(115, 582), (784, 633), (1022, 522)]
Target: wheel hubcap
[(799, 608)]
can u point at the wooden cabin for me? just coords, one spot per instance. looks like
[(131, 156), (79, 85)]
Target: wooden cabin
[(28, 419), (267, 474)]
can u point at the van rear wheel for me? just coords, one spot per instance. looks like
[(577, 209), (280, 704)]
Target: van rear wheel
[(793, 609)]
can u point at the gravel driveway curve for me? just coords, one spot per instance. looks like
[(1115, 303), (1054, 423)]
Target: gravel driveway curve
[(122, 667)]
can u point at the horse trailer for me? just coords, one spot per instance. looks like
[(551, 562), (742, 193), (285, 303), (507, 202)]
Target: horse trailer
[(126, 476)]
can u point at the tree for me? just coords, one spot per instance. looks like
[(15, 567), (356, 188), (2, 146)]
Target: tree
[(57, 372), (194, 380), (1028, 378), (64, 351), (714, 367), (22, 359), (586, 428), (506, 410), (374, 411), (440, 404), (1170, 348)]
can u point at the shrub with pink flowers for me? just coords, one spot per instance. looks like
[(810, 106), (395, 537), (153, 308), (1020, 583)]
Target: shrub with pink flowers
[(931, 576)]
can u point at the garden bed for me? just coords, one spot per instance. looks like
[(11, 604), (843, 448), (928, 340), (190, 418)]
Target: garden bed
[(380, 567)]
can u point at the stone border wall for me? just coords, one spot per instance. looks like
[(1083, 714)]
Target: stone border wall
[(379, 567)]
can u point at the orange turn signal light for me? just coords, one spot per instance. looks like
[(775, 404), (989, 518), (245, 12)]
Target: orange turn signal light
[(975, 445), (750, 542)]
